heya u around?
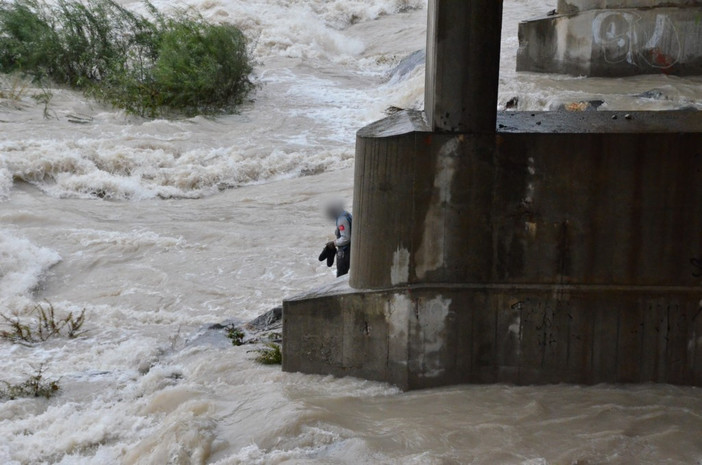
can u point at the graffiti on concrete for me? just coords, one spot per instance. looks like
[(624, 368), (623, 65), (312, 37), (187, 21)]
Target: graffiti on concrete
[(540, 317), (627, 37)]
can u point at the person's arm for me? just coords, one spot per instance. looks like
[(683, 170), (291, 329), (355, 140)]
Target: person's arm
[(344, 233)]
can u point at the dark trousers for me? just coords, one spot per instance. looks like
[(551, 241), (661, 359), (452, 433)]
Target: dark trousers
[(343, 261)]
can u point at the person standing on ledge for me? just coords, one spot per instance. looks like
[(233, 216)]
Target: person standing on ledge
[(342, 244)]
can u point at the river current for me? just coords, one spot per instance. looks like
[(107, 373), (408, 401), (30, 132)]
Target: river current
[(159, 229)]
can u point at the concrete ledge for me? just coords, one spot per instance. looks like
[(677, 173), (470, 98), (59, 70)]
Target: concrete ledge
[(549, 122), (576, 6), (339, 287), (420, 337), (641, 123), (614, 42), (403, 122)]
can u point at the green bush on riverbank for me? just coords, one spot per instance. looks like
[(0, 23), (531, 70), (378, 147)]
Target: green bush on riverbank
[(147, 66)]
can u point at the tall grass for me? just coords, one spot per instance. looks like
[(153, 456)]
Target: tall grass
[(35, 385), (45, 325), (270, 354), (145, 65), (13, 89)]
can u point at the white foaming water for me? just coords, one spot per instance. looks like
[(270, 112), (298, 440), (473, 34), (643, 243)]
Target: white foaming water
[(5, 183), (22, 265), (318, 84), (149, 383)]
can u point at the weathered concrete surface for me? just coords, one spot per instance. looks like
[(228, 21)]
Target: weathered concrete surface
[(555, 204), (575, 6), (614, 38), (527, 248), (428, 336), (463, 64), (562, 248), (644, 123)]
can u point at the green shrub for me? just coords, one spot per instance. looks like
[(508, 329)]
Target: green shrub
[(14, 90), (34, 386), (199, 66), (270, 355), (146, 66), (44, 326), (236, 335), (27, 39), (45, 97)]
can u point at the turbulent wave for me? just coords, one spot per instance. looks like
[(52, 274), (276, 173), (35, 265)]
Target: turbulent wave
[(318, 83), (5, 183), (22, 265), (154, 379), (89, 168), (324, 69), (299, 28)]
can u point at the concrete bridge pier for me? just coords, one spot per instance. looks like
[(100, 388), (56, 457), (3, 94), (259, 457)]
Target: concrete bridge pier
[(521, 247), (463, 65), (614, 38)]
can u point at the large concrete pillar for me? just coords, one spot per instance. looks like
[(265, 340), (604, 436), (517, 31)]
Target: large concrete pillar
[(561, 247), (463, 65)]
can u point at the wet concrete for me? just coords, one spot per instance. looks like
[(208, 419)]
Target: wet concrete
[(565, 247), (600, 122), (522, 248), (614, 38), (547, 122)]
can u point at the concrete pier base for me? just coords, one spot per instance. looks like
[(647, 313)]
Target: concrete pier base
[(562, 248), (614, 38), (519, 248), (422, 337)]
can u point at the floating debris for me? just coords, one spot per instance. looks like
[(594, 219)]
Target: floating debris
[(588, 105), (80, 119)]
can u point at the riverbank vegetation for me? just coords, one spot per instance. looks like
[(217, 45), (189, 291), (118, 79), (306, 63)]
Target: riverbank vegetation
[(42, 325), (35, 385), (151, 65), (270, 354)]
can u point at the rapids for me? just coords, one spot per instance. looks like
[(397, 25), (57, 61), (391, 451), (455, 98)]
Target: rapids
[(161, 228)]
